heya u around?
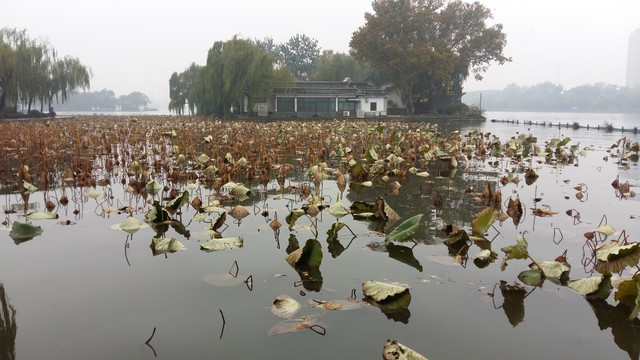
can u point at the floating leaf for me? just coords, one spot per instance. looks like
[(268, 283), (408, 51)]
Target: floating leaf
[(285, 306), (379, 291), (543, 212), (24, 231), (483, 221), (613, 257), (222, 244), (393, 350), (405, 230), (41, 216), (518, 251), (593, 287), (308, 256), (164, 245)]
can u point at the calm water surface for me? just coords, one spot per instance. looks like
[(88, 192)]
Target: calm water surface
[(79, 293)]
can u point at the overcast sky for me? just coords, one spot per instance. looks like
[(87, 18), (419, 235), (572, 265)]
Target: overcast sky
[(135, 45)]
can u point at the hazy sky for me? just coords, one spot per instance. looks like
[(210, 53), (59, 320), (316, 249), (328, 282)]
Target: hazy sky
[(135, 45)]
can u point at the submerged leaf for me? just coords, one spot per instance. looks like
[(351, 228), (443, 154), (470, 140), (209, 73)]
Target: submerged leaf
[(335, 305), (293, 325), (24, 231), (393, 350)]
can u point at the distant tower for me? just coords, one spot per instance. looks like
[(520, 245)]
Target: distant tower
[(633, 60)]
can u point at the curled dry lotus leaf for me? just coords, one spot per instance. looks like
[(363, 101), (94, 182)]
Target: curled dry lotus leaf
[(606, 229), (203, 158), (153, 187), (338, 210), (27, 188), (393, 350), (41, 216), (285, 306), (379, 291), (164, 245), (613, 257), (181, 160), (238, 212), (222, 244), (130, 225), (595, 287), (93, 193)]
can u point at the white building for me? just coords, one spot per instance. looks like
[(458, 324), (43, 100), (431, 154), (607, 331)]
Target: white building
[(633, 60)]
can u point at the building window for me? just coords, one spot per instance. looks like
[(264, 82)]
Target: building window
[(346, 105), (316, 104), (374, 106), (286, 104)]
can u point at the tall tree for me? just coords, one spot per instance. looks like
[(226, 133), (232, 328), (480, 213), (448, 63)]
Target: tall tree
[(238, 73), (300, 53), (330, 66), (428, 46)]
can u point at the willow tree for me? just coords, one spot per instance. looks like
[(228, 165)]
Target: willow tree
[(429, 47), (183, 89), (30, 71), (239, 73)]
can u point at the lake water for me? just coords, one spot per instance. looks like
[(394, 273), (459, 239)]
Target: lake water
[(87, 291)]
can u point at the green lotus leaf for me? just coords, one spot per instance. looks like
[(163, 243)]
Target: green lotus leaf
[(531, 277), (551, 269), (370, 154), (153, 187), (157, 214), (308, 256), (483, 221), (517, 251), (629, 294), (405, 230)]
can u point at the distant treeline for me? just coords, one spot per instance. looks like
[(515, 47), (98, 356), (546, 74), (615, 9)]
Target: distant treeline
[(550, 97), (105, 100)]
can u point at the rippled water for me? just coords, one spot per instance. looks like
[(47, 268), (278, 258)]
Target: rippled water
[(87, 291)]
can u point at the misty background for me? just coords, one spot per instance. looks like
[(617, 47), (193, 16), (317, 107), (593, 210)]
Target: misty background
[(135, 46)]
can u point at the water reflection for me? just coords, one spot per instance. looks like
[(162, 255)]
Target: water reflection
[(626, 332), (8, 327)]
